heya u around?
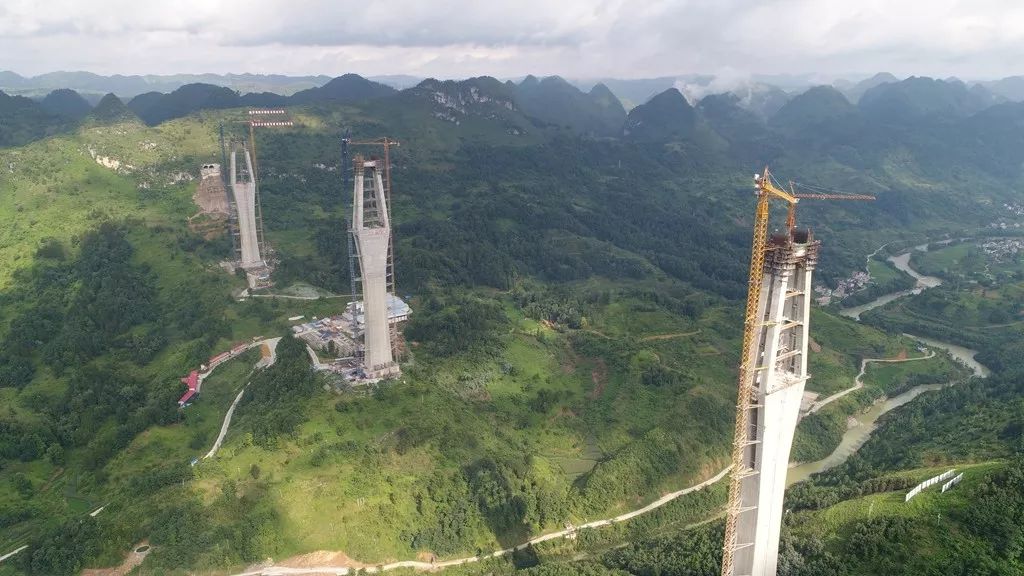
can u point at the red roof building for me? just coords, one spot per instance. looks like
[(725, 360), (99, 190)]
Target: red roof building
[(192, 381)]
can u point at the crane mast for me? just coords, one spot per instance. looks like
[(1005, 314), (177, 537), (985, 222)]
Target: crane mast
[(772, 371), (747, 395)]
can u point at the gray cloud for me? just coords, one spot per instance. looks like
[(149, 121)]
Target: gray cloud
[(414, 23), (576, 38)]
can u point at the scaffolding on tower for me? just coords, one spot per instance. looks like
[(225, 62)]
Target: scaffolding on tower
[(257, 261), (772, 373), (386, 143)]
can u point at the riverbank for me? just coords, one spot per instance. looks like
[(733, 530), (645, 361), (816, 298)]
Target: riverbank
[(858, 381), (861, 425)]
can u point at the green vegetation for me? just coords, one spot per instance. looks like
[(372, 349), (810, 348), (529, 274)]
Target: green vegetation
[(574, 336), (893, 379), (820, 433), (22, 120), (986, 262), (976, 313), (853, 520)]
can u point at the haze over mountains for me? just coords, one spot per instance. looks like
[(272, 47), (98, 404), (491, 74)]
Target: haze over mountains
[(632, 92), (658, 109)]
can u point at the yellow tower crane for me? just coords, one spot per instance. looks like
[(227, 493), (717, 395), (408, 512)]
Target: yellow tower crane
[(765, 190)]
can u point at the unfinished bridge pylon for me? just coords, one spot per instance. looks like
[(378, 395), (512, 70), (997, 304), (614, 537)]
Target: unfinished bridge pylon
[(371, 229), (243, 188), (779, 373), (772, 375)]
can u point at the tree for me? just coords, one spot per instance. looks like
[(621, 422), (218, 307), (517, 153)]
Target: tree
[(22, 484)]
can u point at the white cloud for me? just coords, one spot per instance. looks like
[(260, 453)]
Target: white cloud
[(456, 38)]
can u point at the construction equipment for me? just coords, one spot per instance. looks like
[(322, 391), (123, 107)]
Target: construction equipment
[(746, 432), (791, 215), (348, 231)]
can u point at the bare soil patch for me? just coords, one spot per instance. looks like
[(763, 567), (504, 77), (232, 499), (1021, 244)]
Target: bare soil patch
[(669, 336), (599, 376), (320, 558), (211, 196)]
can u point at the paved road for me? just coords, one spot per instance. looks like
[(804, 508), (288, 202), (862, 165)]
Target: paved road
[(266, 361), (669, 336), (227, 422), (291, 297), (417, 565), (9, 554), (858, 381), (315, 359)]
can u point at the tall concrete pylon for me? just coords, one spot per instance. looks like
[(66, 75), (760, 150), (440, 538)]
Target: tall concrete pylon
[(245, 201), (371, 228), (780, 361)]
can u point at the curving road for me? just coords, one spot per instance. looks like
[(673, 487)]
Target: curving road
[(858, 381), (227, 422), (264, 362), (9, 554), (418, 565)]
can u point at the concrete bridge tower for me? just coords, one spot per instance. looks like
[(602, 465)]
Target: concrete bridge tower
[(244, 192), (779, 373), (371, 228)]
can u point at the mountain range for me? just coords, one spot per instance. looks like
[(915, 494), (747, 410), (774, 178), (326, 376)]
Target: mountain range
[(576, 267), (558, 102), (630, 91)]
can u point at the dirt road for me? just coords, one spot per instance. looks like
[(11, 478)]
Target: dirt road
[(419, 565), (858, 381)]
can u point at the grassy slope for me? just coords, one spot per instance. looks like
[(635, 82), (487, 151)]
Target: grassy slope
[(53, 187), (939, 540), (367, 494), (882, 272)]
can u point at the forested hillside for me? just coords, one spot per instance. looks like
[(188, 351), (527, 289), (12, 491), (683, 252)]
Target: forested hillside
[(576, 281)]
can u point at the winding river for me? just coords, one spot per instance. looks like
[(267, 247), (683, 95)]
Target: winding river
[(866, 422)]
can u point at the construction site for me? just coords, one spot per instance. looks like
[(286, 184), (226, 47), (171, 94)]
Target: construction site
[(336, 343), (240, 182), (365, 339), (363, 342)]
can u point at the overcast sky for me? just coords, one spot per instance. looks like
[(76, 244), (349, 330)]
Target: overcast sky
[(971, 39)]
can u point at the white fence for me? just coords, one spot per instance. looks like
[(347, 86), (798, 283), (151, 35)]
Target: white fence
[(930, 482), (953, 482)]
